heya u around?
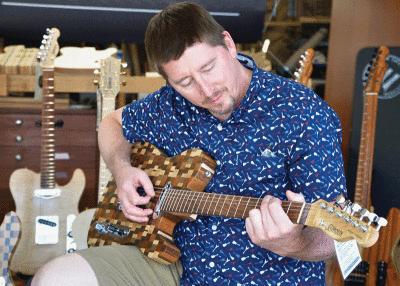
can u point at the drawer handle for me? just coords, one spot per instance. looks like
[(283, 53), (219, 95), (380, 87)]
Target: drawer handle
[(59, 123), (18, 157)]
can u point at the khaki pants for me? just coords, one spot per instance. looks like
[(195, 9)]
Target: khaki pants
[(126, 265)]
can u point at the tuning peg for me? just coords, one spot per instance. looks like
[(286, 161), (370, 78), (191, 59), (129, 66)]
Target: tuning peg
[(347, 206), (339, 200), (96, 82), (296, 74), (372, 218), (380, 222), (123, 73), (123, 83), (364, 213), (96, 72), (124, 65), (355, 208), (302, 64)]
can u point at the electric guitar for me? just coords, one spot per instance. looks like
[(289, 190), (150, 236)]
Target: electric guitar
[(366, 273), (9, 234), (303, 73), (45, 210), (179, 182), (108, 87)]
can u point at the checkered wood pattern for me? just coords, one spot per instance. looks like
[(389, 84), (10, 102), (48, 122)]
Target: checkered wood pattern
[(9, 234), (155, 238)]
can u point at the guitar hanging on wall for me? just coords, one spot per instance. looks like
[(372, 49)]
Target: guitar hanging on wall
[(45, 210), (303, 73), (374, 269), (179, 182)]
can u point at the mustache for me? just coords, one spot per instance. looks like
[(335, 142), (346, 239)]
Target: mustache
[(215, 94)]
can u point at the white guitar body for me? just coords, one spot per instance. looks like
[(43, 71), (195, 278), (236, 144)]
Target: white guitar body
[(29, 256)]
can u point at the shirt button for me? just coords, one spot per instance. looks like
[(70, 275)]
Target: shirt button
[(212, 264), (214, 227)]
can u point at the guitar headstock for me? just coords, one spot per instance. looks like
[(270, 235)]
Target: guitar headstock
[(304, 72), (377, 71), (351, 222), (109, 84), (49, 48)]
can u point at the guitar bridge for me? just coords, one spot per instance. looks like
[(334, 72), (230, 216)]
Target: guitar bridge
[(112, 229)]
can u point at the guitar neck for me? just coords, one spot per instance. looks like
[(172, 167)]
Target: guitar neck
[(211, 204), (108, 105), (366, 153), (47, 163)]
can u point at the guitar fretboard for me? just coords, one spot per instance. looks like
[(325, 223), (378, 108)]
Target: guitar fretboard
[(212, 204), (366, 154), (47, 163)]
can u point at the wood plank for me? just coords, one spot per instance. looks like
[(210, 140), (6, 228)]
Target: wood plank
[(28, 102), (3, 85), (73, 83)]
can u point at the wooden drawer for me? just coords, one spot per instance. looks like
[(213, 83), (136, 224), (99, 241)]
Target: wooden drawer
[(76, 147), (24, 130)]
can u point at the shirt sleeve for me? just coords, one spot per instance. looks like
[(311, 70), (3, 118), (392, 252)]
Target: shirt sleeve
[(316, 166)]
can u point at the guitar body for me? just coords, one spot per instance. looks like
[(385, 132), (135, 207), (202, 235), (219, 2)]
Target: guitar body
[(29, 256), (155, 238), (9, 235)]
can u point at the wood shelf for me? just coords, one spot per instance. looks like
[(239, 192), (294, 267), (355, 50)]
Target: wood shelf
[(79, 84)]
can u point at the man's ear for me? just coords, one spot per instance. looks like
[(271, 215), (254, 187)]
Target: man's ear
[(230, 44)]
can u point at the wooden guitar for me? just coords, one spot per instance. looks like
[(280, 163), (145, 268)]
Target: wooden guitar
[(305, 69), (9, 235), (108, 87), (179, 182), (374, 265), (45, 210)]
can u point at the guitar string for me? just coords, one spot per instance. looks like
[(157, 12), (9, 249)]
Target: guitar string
[(211, 197), (300, 209)]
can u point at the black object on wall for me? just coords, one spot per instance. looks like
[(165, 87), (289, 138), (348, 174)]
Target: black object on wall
[(110, 21), (385, 189)]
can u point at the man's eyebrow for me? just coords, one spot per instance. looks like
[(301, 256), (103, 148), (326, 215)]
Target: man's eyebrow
[(202, 67)]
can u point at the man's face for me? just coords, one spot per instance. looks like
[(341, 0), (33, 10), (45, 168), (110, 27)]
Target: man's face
[(208, 77)]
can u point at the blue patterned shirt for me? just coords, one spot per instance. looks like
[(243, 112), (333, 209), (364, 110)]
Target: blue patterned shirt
[(282, 136)]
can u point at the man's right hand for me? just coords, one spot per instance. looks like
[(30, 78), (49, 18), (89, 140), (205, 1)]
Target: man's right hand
[(128, 180)]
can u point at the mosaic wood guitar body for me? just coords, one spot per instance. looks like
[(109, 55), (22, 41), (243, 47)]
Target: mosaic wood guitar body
[(179, 182), (191, 170)]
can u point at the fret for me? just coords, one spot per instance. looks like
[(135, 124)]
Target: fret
[(216, 204), (245, 208), (210, 203), (240, 200)]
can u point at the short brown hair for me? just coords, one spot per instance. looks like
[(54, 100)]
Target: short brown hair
[(176, 28)]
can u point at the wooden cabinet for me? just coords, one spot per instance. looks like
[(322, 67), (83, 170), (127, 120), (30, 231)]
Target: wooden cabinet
[(76, 147)]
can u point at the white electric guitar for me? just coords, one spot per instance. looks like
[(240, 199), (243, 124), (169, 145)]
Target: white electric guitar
[(107, 92), (108, 88), (46, 211)]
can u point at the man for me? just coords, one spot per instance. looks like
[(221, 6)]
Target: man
[(270, 137)]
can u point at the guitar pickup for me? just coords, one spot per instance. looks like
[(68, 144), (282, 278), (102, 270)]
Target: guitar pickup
[(119, 231)]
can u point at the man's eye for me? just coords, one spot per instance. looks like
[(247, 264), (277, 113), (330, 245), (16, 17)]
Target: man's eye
[(185, 84), (207, 69)]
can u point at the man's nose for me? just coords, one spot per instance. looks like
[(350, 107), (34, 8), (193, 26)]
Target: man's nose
[(206, 87)]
